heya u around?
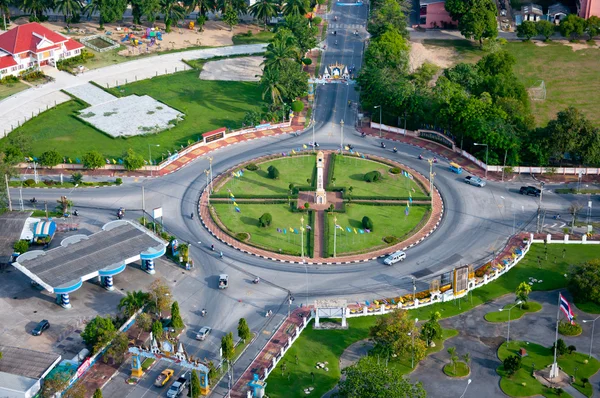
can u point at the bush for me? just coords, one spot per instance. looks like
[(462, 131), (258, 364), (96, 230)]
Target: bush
[(50, 158), (566, 329), (390, 240), (48, 183), (273, 172), (525, 306), (297, 106), (76, 178), (132, 160), (242, 236), (561, 346), (571, 349), (265, 220), (316, 21), (307, 61), (395, 170), (93, 160), (372, 176), (367, 223), (584, 282), (29, 182), (10, 79), (252, 167), (21, 246), (511, 364), (118, 181)]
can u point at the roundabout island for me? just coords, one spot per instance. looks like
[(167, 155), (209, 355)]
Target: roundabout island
[(320, 207)]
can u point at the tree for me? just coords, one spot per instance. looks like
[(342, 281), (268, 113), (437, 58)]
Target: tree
[(372, 176), (50, 158), (93, 159), (173, 12), (295, 7), (467, 358), (305, 34), (117, 349), (476, 18), (571, 349), (584, 281), (157, 330), (280, 49), (55, 383), (293, 80), (133, 160), (273, 172), (367, 223), (133, 301), (99, 332), (108, 10), (545, 28), (63, 205), (389, 15), (243, 330), (230, 17), (584, 380), (160, 295), (194, 390), (70, 9), (263, 10), (572, 133), (511, 364), (431, 329), (390, 50), (265, 220), (144, 322), (271, 86), (176, 321), (34, 7), (78, 390), (522, 292), (391, 336), (453, 357), (21, 246), (228, 346), (572, 26), (574, 210), (4, 4), (203, 6), (97, 393), (370, 379), (561, 347), (592, 26), (76, 178), (527, 29)]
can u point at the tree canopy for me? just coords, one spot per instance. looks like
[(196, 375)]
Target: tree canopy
[(476, 18), (584, 281), (99, 332), (393, 335)]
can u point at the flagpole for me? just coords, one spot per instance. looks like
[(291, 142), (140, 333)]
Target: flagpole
[(334, 233), (554, 368)]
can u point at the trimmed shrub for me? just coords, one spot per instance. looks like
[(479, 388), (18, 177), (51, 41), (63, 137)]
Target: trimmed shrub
[(265, 220), (367, 223), (316, 21), (273, 172), (297, 106), (242, 236), (252, 167), (118, 181), (29, 182), (566, 329), (390, 240), (372, 176), (21, 246), (395, 170), (307, 61)]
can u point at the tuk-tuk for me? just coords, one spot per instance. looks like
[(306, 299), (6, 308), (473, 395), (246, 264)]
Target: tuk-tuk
[(455, 168)]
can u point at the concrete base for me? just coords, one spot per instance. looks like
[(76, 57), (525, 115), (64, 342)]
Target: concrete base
[(561, 379), (66, 306), (109, 288), (151, 272)]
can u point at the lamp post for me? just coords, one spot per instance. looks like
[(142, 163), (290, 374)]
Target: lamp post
[(464, 392), (342, 137), (313, 140), (486, 157), (334, 234), (593, 324), (412, 334), (508, 334), (150, 156), (302, 236), (207, 185), (380, 122), (283, 112)]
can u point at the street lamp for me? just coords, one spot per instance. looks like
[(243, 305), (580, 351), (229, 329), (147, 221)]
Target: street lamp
[(593, 324), (150, 156), (313, 140), (375, 107), (412, 361), (464, 392), (283, 112), (334, 234), (342, 137), (502, 309), (302, 236), (486, 157)]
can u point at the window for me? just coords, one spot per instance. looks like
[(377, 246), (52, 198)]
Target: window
[(68, 54), (13, 69), (20, 66), (3, 71), (77, 51)]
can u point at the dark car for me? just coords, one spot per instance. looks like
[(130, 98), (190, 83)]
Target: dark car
[(39, 329), (533, 191)]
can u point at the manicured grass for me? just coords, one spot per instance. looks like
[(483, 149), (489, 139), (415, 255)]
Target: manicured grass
[(6, 90), (542, 357), (296, 170), (147, 363), (387, 221), (42, 213), (461, 369), (259, 37), (208, 105), (268, 238), (550, 272), (350, 170), (515, 313), (589, 307)]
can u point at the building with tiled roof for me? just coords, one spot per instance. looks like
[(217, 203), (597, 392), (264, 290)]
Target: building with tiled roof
[(33, 45)]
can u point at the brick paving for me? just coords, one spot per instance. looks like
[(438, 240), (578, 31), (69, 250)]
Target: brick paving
[(271, 350)]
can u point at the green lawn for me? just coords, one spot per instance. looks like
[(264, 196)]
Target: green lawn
[(268, 238), (6, 90), (260, 37), (208, 105), (349, 172), (387, 221), (461, 369), (295, 169), (515, 313), (589, 307), (542, 357)]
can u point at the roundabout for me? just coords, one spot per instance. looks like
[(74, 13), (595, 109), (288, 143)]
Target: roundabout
[(322, 207)]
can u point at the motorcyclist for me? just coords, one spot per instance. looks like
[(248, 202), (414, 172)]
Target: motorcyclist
[(420, 157), (203, 312), (336, 42), (395, 150), (349, 103), (34, 200), (382, 144), (212, 247), (221, 254), (192, 215)]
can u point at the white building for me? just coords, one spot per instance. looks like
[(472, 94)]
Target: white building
[(22, 371), (33, 45)]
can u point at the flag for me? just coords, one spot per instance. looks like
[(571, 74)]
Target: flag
[(304, 146), (230, 194), (241, 172), (338, 226), (361, 231), (357, 154), (410, 200), (385, 301), (114, 161), (293, 152), (355, 231), (348, 229), (279, 230), (410, 176), (407, 204), (566, 308), (301, 229), (235, 204), (30, 159), (406, 211), (284, 231), (283, 154), (295, 231), (368, 231), (292, 230), (351, 150), (308, 227), (238, 210), (346, 148)]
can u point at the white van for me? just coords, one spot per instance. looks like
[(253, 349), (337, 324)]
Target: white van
[(395, 257)]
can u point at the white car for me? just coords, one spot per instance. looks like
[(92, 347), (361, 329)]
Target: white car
[(203, 333), (473, 180), (395, 257)]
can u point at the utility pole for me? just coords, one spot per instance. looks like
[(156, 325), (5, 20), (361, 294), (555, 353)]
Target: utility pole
[(334, 234), (414, 283), (313, 141), (143, 206), (8, 192), (210, 159), (342, 137), (540, 206), (207, 184), (35, 175), (302, 236)]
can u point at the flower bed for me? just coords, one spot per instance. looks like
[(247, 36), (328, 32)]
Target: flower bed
[(89, 41)]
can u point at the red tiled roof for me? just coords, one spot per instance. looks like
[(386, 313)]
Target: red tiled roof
[(73, 45), (7, 62), (21, 38)]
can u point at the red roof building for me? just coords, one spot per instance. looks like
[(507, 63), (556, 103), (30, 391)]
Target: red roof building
[(32, 45)]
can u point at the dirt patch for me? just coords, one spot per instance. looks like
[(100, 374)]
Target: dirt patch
[(580, 46), (243, 69), (540, 43), (441, 56)]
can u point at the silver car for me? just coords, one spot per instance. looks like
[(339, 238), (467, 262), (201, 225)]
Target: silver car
[(203, 333), (473, 180)]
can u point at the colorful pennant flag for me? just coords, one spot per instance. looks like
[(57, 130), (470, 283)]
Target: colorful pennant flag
[(284, 231), (367, 230), (235, 204), (308, 227), (566, 309), (348, 229), (279, 230), (338, 226), (355, 231), (304, 146), (406, 211), (361, 231), (238, 210), (293, 152)]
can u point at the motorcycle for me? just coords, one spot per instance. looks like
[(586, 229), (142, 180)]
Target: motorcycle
[(121, 213), (420, 157), (334, 32), (350, 147), (336, 42), (435, 160), (203, 312), (382, 145), (75, 213), (33, 200), (269, 313), (363, 134), (395, 150), (212, 247), (256, 280), (192, 216)]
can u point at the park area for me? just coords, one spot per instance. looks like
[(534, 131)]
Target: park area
[(282, 236), (349, 171), (207, 105), (391, 225)]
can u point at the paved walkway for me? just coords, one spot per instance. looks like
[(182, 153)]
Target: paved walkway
[(91, 94), (18, 108)]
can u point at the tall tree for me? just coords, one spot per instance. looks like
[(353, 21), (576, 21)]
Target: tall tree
[(34, 7), (173, 12), (476, 18), (263, 10), (545, 28), (133, 301), (108, 10), (228, 346), (160, 295), (527, 30), (97, 393), (278, 51), (243, 330), (572, 26), (388, 15), (431, 329), (117, 349), (69, 8), (99, 332), (203, 6), (295, 7), (592, 26), (304, 34), (393, 335), (4, 4), (194, 390), (230, 17), (271, 86), (572, 133), (370, 379), (522, 292), (176, 321), (293, 81)]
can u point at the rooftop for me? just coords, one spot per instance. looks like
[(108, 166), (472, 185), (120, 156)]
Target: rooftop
[(27, 363), (11, 226)]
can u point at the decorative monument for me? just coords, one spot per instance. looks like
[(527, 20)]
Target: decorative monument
[(336, 71), (320, 195)]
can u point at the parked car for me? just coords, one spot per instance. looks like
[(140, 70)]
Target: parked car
[(473, 180), (533, 191), (203, 333), (40, 328), (164, 377), (395, 257)]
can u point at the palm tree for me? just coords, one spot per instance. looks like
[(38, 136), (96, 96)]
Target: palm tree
[(69, 8), (96, 6), (4, 8), (173, 12), (34, 7), (203, 6), (263, 10), (271, 86), (453, 357), (294, 7), (277, 52), (467, 358), (133, 301)]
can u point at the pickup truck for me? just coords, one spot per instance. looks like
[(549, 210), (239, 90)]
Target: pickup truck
[(164, 377), (177, 388), (223, 281)]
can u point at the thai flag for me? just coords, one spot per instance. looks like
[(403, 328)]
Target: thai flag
[(566, 309)]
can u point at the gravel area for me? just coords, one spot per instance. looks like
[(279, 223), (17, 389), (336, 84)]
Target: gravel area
[(91, 94), (242, 69)]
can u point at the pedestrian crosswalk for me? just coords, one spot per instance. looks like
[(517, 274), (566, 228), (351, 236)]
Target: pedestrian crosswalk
[(335, 26)]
